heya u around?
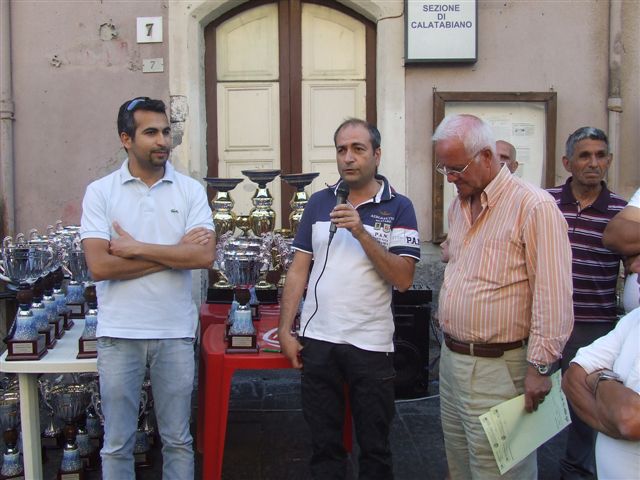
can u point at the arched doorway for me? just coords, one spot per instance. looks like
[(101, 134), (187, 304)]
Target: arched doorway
[(279, 77)]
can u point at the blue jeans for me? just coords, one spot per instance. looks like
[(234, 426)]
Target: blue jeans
[(122, 365)]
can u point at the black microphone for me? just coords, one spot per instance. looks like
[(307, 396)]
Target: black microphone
[(342, 193)]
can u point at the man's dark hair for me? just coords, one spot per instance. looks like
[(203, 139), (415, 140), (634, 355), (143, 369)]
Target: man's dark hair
[(374, 134), (126, 123), (583, 133)]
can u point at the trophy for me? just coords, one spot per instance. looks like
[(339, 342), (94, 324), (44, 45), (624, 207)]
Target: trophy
[(51, 436), (284, 257), (262, 216), (40, 315), (224, 219), (148, 425), (95, 419), (12, 467), (300, 197), (142, 448), (242, 262), (80, 275), (19, 265), (243, 222), (69, 401), (88, 343)]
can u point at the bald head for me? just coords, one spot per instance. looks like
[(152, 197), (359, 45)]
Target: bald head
[(507, 155)]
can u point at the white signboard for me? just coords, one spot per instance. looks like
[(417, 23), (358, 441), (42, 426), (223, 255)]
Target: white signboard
[(441, 31)]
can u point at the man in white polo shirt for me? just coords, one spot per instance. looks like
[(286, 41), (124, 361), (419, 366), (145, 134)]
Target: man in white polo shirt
[(143, 228), (360, 249)]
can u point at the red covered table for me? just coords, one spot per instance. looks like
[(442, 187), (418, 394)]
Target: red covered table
[(216, 371)]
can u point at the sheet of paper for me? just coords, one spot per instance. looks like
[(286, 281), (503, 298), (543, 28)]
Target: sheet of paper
[(514, 433)]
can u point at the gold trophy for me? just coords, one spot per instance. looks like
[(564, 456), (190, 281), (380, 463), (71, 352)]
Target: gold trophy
[(300, 197), (262, 216)]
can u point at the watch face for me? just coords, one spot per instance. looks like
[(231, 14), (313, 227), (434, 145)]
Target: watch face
[(543, 369)]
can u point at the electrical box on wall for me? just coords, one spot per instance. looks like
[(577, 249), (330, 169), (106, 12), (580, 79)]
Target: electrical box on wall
[(149, 29)]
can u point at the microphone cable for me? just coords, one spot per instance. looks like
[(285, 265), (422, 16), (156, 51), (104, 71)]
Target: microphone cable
[(315, 290)]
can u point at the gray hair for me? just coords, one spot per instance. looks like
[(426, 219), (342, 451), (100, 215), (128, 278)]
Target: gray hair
[(474, 133), (374, 133), (583, 133)]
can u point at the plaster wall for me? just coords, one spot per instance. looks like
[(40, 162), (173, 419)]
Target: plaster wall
[(522, 46), (628, 159), (74, 63)]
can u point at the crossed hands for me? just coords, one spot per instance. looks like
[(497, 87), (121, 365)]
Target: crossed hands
[(125, 246)]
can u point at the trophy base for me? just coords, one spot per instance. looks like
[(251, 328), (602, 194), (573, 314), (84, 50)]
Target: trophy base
[(77, 475), (76, 310), (50, 337), (268, 296), (142, 460), (26, 349), (242, 344), (18, 476), (91, 462), (87, 348), (219, 295), (68, 323), (51, 443), (58, 327)]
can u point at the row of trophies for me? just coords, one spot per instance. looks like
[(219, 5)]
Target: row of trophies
[(244, 263), (74, 399), (37, 265)]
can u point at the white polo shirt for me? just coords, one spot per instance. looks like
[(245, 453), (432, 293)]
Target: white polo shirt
[(158, 305)]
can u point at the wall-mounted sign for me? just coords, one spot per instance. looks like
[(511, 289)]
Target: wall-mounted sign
[(149, 29), (441, 31)]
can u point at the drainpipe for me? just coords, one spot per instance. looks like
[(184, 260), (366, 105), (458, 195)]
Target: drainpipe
[(614, 101), (7, 195)]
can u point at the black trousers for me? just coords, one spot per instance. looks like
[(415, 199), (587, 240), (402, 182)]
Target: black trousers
[(579, 457), (369, 377)]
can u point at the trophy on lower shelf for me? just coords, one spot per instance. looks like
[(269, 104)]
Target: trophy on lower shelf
[(51, 436), (12, 467), (142, 448), (88, 343), (69, 402)]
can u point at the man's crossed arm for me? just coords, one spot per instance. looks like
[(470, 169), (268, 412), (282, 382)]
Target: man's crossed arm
[(126, 258)]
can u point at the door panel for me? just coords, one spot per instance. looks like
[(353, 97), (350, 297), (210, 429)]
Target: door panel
[(248, 136), (282, 76), (324, 106)]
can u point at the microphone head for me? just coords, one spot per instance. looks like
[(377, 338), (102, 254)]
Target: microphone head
[(342, 192)]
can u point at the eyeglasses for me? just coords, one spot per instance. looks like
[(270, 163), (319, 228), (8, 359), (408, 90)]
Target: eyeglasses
[(136, 101), (454, 171)]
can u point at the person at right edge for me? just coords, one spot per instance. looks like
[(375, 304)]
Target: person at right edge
[(587, 205), (505, 304), (346, 323)]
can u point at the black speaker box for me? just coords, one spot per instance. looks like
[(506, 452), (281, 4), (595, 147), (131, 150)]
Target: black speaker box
[(411, 315)]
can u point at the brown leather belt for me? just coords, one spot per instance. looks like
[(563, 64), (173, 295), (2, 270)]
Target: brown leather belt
[(489, 350)]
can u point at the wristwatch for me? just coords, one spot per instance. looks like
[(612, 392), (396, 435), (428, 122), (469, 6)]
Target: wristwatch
[(544, 369), (606, 375)]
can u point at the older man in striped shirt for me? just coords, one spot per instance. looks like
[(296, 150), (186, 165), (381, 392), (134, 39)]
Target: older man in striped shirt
[(505, 303), (587, 206)]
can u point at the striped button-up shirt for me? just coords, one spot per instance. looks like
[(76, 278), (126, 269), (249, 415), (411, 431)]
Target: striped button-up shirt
[(509, 272), (595, 268)]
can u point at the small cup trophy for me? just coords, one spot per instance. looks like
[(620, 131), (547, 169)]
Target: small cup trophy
[(242, 265), (300, 197), (12, 467), (41, 317), (51, 436), (23, 340), (80, 275), (262, 216), (88, 343), (69, 402), (142, 449), (148, 423)]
